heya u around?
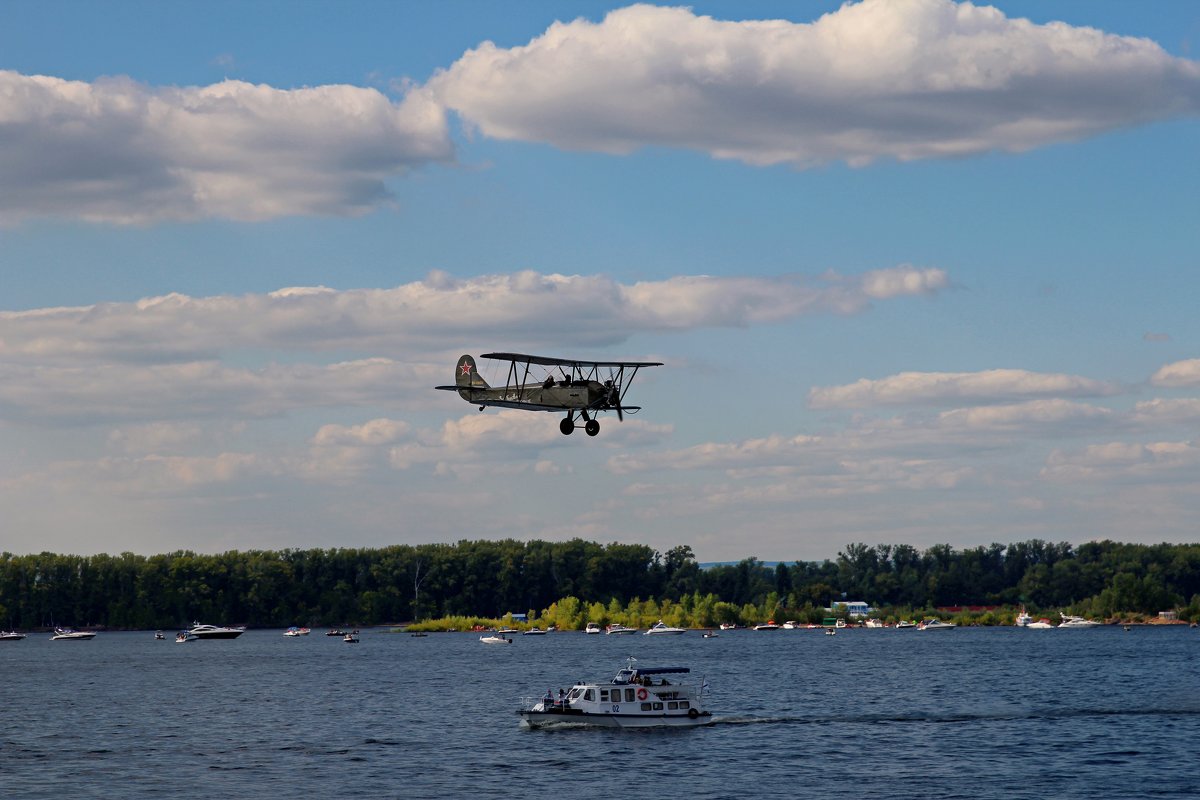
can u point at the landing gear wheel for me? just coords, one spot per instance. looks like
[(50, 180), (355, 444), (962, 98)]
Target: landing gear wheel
[(592, 427), (567, 426)]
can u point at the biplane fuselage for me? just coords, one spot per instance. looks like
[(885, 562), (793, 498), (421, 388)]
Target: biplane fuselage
[(579, 387)]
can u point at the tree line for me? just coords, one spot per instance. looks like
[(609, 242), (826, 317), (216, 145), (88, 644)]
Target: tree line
[(368, 586)]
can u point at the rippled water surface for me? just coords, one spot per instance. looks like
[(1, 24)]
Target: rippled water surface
[(968, 713)]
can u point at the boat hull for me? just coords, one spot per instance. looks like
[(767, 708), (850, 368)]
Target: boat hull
[(217, 634), (549, 719)]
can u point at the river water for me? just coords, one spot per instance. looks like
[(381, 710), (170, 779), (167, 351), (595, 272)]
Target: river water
[(969, 713)]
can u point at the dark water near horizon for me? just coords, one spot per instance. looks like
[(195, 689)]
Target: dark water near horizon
[(970, 713)]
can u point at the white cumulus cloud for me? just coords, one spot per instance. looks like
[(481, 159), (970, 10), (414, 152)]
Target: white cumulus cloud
[(1178, 373), (941, 387), (115, 150), (906, 79)]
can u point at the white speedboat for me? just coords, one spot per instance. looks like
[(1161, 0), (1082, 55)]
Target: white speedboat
[(905, 623), (1023, 619), (159, 636), (292, 631), (874, 623), (71, 635), (1069, 621), (617, 629), (495, 638), (215, 631), (791, 625), (592, 628), (11, 636), (728, 626), (661, 628), (634, 698), (534, 631), (351, 638), (769, 625), (1041, 624), (183, 637), (711, 634), (932, 624)]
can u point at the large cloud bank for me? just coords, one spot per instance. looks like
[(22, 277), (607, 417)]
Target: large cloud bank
[(907, 79), (119, 151)]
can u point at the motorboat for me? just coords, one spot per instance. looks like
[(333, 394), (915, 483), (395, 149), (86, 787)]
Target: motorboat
[(508, 630), (711, 634), (183, 637), (11, 636), (617, 629), (592, 628), (159, 636), (661, 628), (495, 638), (350, 638), (292, 631), (215, 631), (874, 623), (933, 624), (534, 631), (335, 632), (71, 635), (636, 697), (1023, 619), (905, 623), (1041, 624), (791, 625), (831, 632), (1069, 621), (769, 625), (728, 626)]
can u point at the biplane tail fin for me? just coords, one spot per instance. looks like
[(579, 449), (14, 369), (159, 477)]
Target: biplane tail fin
[(467, 376)]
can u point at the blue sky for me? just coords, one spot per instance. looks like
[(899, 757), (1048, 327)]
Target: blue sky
[(920, 272)]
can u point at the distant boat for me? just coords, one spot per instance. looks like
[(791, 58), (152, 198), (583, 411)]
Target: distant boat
[(592, 628), (711, 634), (11, 636), (1069, 621), (534, 631), (350, 638), (905, 623), (618, 629), (159, 636), (661, 628), (728, 626), (183, 637), (769, 625)]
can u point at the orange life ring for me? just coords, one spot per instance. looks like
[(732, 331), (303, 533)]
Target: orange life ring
[(643, 694)]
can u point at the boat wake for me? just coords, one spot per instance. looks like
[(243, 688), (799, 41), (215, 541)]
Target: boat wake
[(955, 718)]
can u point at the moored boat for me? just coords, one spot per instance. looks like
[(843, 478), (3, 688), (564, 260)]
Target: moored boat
[(905, 623), (634, 698), (617, 629), (11, 636), (661, 628), (1069, 621), (769, 625), (592, 628), (534, 631)]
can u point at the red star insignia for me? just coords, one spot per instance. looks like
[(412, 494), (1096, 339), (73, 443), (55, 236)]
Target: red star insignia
[(465, 367)]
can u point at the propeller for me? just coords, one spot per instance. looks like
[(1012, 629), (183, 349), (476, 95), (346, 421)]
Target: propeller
[(614, 399)]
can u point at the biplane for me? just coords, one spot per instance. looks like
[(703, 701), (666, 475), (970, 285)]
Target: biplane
[(583, 388)]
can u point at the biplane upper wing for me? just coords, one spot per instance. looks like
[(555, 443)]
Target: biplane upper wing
[(548, 361)]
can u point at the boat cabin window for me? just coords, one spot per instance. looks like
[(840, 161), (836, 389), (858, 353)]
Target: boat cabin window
[(645, 706), (629, 695), (683, 704), (658, 706), (589, 695), (672, 706), (575, 694), (604, 695)]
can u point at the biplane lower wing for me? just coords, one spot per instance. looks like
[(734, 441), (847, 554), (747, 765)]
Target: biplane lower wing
[(560, 385)]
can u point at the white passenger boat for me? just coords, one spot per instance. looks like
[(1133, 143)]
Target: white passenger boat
[(1069, 621), (11, 636), (661, 628), (215, 631), (592, 628), (634, 698), (618, 629), (70, 635), (932, 624), (495, 638)]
